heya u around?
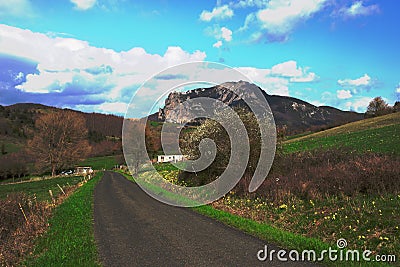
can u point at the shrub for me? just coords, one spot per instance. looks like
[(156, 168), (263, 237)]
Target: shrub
[(334, 172)]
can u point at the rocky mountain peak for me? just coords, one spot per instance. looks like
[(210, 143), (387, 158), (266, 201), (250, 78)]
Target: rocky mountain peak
[(295, 114)]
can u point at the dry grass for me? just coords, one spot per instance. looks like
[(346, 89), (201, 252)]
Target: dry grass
[(22, 219)]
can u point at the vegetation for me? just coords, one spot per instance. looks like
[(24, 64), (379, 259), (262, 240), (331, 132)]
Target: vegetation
[(100, 163), (380, 134), (289, 226), (338, 183), (24, 211), (70, 239), (378, 107), (215, 131), (134, 144), (59, 140), (39, 188)]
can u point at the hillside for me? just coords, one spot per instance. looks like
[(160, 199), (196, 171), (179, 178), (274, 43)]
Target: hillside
[(297, 115), (17, 125), (380, 134)]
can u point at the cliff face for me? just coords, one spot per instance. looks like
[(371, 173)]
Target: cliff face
[(295, 114)]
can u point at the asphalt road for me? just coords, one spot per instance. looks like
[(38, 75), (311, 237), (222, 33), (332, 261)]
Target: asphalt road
[(133, 229)]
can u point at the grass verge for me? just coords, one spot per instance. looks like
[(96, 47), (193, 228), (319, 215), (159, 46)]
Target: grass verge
[(70, 238)]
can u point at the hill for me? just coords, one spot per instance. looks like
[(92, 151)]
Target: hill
[(295, 114), (380, 134), (17, 125)]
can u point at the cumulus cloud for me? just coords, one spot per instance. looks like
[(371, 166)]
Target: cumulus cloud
[(277, 79), (217, 44), (343, 94), (358, 9), (362, 81), (226, 34), (83, 4), (280, 17), (273, 85), (289, 69), (67, 66), (359, 104), (218, 13)]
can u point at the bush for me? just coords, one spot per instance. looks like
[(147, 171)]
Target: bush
[(16, 232), (334, 172)]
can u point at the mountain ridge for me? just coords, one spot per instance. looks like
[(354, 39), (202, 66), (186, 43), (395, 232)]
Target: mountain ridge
[(295, 114)]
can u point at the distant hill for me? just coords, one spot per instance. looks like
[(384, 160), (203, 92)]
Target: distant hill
[(13, 117), (17, 124), (297, 115)]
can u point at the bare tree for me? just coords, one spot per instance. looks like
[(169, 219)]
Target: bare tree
[(60, 139), (134, 144), (377, 107)]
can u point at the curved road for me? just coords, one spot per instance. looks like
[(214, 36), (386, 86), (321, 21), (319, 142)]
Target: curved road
[(133, 229)]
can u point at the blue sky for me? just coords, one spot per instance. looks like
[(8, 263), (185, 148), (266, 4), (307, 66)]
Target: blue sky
[(92, 55)]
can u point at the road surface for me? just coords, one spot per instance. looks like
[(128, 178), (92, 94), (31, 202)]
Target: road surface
[(133, 229)]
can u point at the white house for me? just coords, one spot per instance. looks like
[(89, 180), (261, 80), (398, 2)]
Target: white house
[(169, 158), (83, 170)]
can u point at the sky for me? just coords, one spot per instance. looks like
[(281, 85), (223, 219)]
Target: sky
[(94, 55)]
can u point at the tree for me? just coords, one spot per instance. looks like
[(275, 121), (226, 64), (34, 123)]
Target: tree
[(215, 131), (377, 107), (396, 106), (134, 144), (60, 139)]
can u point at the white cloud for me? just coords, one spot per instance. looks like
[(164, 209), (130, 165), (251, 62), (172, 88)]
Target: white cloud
[(226, 34), (362, 81), (289, 69), (359, 104), (250, 19), (277, 79), (398, 89), (16, 8), (113, 107), (280, 17), (73, 67), (218, 44), (83, 4), (218, 13), (250, 3), (358, 9), (264, 79), (343, 94)]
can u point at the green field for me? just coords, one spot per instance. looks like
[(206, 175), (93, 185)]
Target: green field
[(70, 239), (100, 163), (381, 134), (40, 187)]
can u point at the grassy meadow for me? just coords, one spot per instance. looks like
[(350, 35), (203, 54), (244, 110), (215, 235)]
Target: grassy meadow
[(100, 163), (39, 188), (380, 134)]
